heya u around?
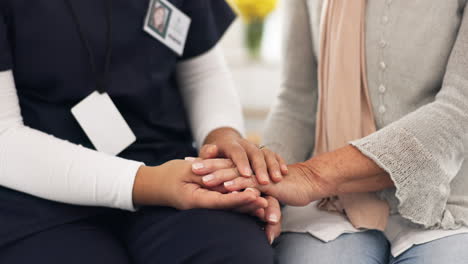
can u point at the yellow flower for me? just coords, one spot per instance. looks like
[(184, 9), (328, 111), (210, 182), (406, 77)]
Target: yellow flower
[(253, 9)]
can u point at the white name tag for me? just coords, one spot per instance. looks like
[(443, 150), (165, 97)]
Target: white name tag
[(103, 123), (168, 24)]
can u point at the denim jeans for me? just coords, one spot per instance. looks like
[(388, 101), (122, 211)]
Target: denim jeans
[(369, 247)]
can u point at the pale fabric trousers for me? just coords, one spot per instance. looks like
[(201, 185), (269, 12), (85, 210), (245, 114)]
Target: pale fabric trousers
[(369, 247)]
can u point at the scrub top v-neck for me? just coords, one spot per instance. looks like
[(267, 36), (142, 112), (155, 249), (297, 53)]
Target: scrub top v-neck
[(40, 43)]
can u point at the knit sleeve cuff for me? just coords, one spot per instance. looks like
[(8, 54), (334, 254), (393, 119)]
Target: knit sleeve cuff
[(422, 189)]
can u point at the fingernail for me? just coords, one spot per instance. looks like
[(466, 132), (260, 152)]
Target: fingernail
[(251, 190), (197, 166), (228, 183), (273, 218), (248, 172), (208, 178), (285, 168), (190, 158), (235, 192), (278, 175), (272, 239)]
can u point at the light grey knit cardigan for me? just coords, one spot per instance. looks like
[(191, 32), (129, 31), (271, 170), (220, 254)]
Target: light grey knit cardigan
[(417, 60)]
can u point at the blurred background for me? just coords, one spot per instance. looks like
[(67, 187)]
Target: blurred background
[(252, 47)]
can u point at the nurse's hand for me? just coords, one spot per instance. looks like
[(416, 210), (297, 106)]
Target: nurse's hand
[(247, 157), (173, 184)]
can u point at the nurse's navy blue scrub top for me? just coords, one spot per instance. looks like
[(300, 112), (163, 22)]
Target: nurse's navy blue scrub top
[(40, 43)]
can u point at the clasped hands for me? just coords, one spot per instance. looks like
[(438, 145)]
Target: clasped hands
[(271, 178), (264, 165), (231, 174)]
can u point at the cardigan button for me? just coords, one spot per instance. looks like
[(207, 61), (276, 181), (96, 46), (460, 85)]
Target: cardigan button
[(382, 109), (383, 66), (385, 19), (382, 88), (383, 43)]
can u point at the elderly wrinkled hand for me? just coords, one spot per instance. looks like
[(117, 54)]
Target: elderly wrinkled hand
[(298, 188)]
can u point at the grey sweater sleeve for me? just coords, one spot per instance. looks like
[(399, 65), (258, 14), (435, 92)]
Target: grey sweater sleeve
[(290, 128), (424, 151)]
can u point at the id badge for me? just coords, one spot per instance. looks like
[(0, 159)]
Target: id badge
[(103, 123), (168, 24)]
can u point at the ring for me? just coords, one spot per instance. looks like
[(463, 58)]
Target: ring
[(262, 147)]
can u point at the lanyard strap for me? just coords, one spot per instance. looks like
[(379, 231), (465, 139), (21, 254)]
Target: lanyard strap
[(101, 80)]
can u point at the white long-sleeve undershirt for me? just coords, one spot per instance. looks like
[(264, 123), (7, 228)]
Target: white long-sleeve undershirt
[(42, 165), (209, 95)]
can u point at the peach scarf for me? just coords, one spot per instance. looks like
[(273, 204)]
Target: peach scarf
[(344, 109)]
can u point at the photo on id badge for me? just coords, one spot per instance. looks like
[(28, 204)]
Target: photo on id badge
[(159, 18)]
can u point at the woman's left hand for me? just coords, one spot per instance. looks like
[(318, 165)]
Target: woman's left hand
[(343, 171), (300, 187)]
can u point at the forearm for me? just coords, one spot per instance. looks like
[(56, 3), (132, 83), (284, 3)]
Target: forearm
[(144, 187), (47, 167), (39, 164), (346, 170)]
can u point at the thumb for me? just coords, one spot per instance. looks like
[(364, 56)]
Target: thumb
[(209, 151)]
